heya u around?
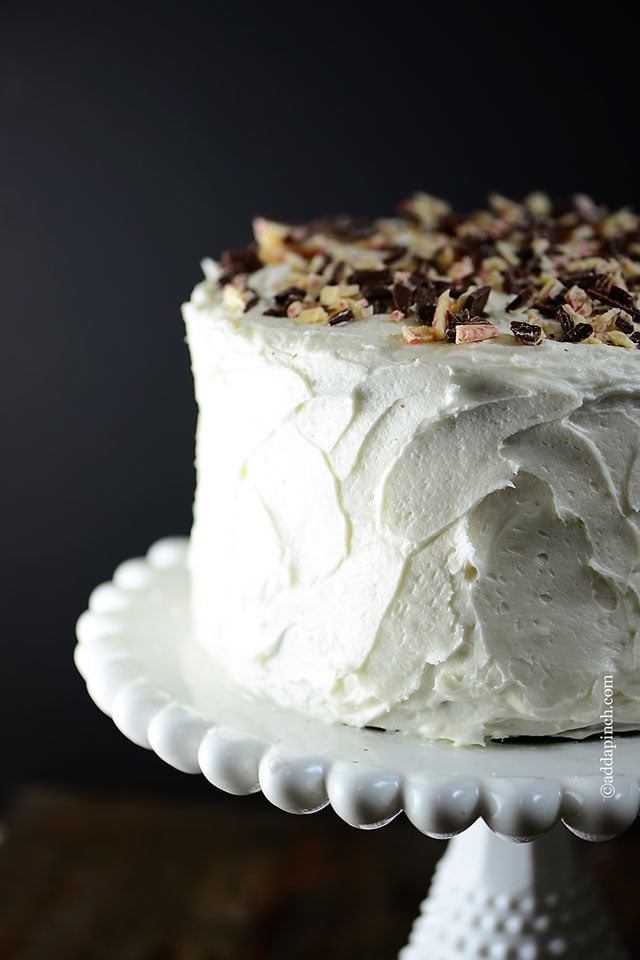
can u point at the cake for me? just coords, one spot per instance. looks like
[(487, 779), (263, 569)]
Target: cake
[(418, 480)]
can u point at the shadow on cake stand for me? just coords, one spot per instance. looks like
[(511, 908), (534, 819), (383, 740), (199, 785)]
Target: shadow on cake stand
[(490, 897)]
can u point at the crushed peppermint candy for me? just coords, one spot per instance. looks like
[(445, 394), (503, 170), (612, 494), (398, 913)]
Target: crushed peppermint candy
[(567, 272)]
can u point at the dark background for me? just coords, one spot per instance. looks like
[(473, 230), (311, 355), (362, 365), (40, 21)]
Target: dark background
[(135, 140)]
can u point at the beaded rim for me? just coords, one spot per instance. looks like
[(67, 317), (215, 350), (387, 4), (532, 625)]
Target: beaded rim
[(368, 778)]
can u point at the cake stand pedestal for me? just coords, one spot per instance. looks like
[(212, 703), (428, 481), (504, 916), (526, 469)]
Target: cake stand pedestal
[(490, 897)]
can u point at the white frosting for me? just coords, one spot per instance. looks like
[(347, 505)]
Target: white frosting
[(434, 538)]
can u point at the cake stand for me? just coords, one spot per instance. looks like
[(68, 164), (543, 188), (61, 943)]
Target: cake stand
[(490, 897)]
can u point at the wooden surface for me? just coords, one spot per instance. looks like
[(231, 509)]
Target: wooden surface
[(87, 877)]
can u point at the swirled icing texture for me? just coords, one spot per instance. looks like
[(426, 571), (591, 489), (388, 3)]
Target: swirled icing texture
[(439, 539)]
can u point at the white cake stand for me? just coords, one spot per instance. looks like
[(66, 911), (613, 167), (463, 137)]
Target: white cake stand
[(489, 897)]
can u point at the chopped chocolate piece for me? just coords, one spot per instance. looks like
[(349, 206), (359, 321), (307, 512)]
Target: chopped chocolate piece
[(580, 332), (341, 227), (527, 333), (625, 325), (241, 261), (343, 317), (322, 262), (425, 312), (393, 254), (465, 316), (401, 297), (350, 228), (605, 297), (420, 270), (463, 319), (376, 291), (558, 298), (289, 294), (477, 300), (338, 272), (564, 319), (577, 265), (510, 282), (583, 278), (451, 321), (547, 309), (426, 294), (622, 296), (449, 222), (251, 302), (461, 284), (519, 300), (362, 277)]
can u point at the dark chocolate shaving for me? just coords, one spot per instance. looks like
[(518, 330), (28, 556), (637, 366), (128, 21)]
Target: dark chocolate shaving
[(393, 254), (606, 297), (519, 250), (377, 292), (477, 301), (461, 285), (449, 222), (343, 317), (577, 334), (325, 260), (425, 294), (251, 302), (623, 297), (547, 308), (289, 294), (338, 272), (520, 299), (425, 313), (564, 319), (580, 278), (401, 297), (283, 300), (362, 277), (241, 261), (342, 227), (527, 333), (622, 323)]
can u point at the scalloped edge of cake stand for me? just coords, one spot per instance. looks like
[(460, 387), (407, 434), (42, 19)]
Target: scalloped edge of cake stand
[(128, 652)]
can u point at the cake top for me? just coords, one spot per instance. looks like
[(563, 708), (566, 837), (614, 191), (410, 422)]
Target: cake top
[(566, 272)]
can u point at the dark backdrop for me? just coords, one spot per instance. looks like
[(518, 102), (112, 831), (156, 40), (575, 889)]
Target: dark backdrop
[(136, 139)]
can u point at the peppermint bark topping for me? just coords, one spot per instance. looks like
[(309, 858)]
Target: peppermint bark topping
[(570, 272)]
